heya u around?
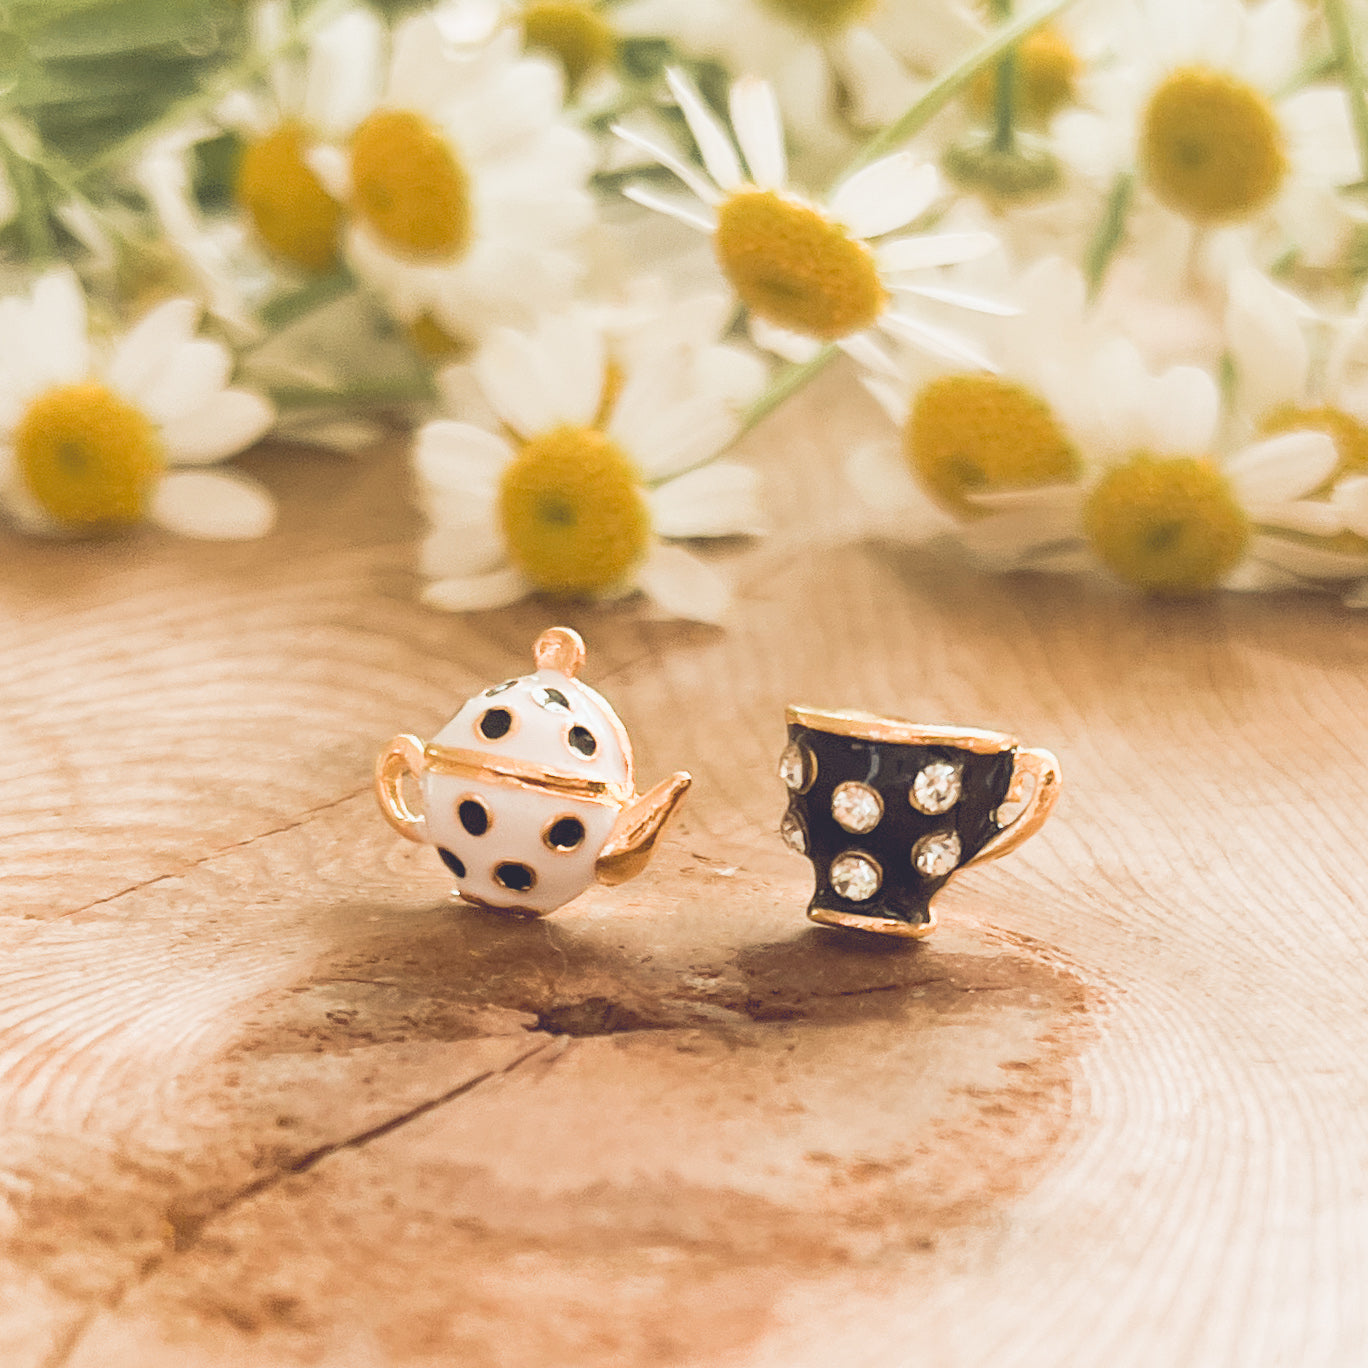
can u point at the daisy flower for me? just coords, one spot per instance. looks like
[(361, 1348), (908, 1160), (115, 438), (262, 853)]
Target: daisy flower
[(1295, 371), (464, 185), (1167, 502), (833, 62), (966, 433), (582, 447), (811, 273), (1202, 111), (92, 439), (308, 96)]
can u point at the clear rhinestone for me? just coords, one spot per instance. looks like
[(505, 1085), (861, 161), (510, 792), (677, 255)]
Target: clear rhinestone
[(855, 877), (797, 768), (856, 807), (936, 788), (937, 854), (791, 829)]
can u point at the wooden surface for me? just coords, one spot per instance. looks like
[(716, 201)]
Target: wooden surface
[(269, 1097)]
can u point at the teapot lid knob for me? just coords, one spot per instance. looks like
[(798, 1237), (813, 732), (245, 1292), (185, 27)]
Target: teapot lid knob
[(560, 649)]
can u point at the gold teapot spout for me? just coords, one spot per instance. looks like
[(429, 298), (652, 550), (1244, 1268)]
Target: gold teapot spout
[(630, 843)]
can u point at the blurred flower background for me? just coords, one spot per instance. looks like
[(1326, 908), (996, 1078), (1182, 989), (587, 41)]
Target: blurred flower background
[(1101, 265)]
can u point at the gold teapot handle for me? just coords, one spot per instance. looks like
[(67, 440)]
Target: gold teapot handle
[(1040, 767), (403, 755)]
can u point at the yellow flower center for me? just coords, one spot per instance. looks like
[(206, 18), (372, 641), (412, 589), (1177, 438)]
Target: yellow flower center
[(573, 511), (409, 186), (1171, 526), (795, 268), (1351, 446), (1046, 78), (974, 433), (87, 456), (822, 17), (432, 340), (579, 37), (1211, 146), (291, 211)]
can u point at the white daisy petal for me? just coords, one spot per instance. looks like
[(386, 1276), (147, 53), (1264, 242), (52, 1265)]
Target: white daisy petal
[(147, 347), (976, 303), (1351, 500), (332, 166), (571, 366), (896, 504), (459, 458), (55, 340), (1307, 560), (889, 194), (342, 79), (685, 211), (716, 500), (507, 368), (226, 423), (792, 346), (683, 586), (1281, 468), (1263, 327), (212, 505), (457, 549), (760, 131), (476, 593), (933, 249), (192, 374), (718, 154), (701, 187), (1185, 409), (1311, 516), (938, 341), (890, 397), (866, 352)]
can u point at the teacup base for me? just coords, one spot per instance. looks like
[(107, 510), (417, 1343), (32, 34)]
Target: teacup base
[(873, 922)]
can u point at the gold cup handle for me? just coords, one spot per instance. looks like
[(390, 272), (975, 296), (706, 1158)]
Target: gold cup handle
[(1042, 769), (403, 755)]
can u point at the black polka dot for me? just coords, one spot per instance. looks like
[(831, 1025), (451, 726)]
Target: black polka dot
[(474, 816), (517, 877), (495, 722), (451, 862), (499, 688), (565, 833), (581, 740)]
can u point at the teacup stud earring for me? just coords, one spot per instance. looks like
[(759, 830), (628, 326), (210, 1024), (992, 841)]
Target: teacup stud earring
[(528, 793), (888, 811)]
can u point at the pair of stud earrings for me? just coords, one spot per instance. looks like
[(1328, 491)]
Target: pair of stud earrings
[(528, 795)]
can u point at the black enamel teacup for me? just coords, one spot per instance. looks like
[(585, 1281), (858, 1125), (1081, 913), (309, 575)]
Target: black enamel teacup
[(888, 811)]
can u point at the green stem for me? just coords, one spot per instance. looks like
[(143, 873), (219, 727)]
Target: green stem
[(398, 391), (33, 210), (943, 90), (1004, 91), (1351, 74), (788, 382), (1110, 231)]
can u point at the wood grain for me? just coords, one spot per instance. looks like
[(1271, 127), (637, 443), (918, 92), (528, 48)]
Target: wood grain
[(270, 1098)]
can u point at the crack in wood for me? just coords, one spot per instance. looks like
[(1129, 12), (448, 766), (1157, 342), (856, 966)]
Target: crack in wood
[(189, 1228), (246, 843)]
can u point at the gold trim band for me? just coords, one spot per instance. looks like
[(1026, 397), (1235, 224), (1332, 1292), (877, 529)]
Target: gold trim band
[(471, 764), (880, 926), (865, 726)]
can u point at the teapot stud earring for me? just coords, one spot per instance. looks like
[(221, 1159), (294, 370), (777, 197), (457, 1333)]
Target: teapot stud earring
[(528, 793)]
